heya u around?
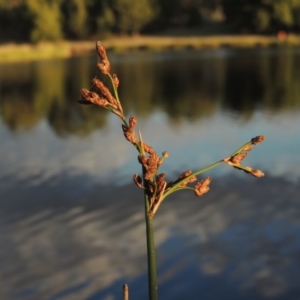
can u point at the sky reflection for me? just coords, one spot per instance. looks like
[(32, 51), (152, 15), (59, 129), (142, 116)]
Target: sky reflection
[(241, 239), (39, 155)]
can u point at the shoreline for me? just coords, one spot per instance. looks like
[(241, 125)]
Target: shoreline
[(28, 52)]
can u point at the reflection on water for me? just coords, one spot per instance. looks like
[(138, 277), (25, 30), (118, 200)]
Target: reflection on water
[(71, 225), (183, 85), (235, 241)]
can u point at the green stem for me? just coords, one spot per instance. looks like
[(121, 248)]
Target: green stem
[(241, 148), (152, 277)]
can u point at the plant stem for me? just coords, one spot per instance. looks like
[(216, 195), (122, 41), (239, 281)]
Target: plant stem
[(152, 277)]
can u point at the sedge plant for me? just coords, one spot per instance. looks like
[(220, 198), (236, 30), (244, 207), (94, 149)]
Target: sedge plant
[(156, 188)]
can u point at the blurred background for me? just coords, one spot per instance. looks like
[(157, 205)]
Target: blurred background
[(34, 20), (71, 219)]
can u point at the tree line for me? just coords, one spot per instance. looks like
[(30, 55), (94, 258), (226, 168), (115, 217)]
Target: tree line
[(38, 20)]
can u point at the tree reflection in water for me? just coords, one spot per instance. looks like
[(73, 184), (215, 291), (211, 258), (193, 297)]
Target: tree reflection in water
[(185, 85)]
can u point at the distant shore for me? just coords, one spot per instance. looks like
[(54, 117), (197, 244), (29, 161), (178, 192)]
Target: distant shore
[(28, 52)]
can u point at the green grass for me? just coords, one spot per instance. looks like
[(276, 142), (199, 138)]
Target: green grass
[(28, 52)]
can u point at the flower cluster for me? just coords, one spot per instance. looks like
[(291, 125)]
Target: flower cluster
[(99, 94), (154, 183), (236, 159)]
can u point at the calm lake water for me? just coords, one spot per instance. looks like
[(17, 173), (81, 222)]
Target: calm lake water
[(71, 220)]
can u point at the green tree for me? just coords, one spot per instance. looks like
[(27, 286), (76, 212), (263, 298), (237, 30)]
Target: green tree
[(263, 15), (47, 20), (282, 11), (263, 19), (286, 12), (133, 15), (15, 24), (181, 13), (105, 21), (76, 15), (242, 14)]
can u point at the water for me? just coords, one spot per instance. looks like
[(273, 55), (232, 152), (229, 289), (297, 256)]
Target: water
[(71, 220)]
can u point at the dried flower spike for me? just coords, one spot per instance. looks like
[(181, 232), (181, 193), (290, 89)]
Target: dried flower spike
[(202, 187), (236, 159), (185, 174), (148, 149), (165, 154), (98, 84), (185, 182), (129, 134), (160, 181), (104, 65), (88, 96), (257, 173), (82, 99), (132, 121), (258, 139), (138, 180), (101, 51), (152, 164), (142, 159), (116, 81)]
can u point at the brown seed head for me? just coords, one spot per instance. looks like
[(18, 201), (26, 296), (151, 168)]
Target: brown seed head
[(257, 173), (151, 171), (148, 149), (185, 174), (142, 160), (88, 96), (187, 181), (192, 179), (161, 177), (101, 50), (152, 165), (160, 181), (202, 187), (129, 134), (165, 154), (236, 159), (132, 121), (258, 139), (150, 187), (104, 67), (138, 180), (82, 99), (116, 81), (98, 84)]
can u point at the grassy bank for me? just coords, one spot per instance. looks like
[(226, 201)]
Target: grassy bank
[(27, 52)]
